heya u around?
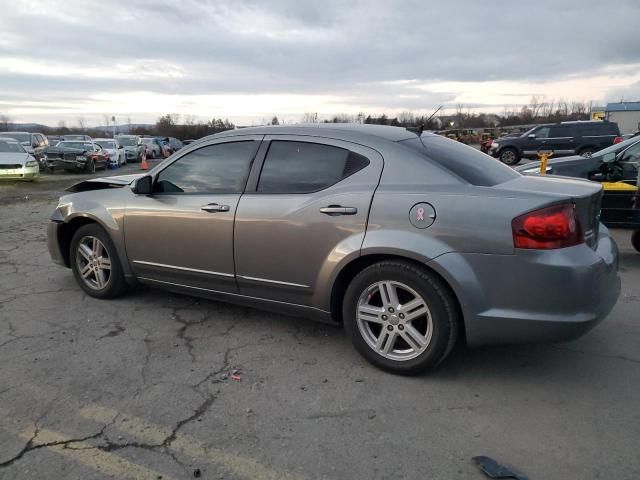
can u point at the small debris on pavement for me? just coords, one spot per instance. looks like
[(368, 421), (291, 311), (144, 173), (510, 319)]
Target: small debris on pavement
[(197, 473), (493, 469), (236, 378)]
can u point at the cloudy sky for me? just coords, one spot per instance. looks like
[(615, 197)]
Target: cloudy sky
[(249, 60)]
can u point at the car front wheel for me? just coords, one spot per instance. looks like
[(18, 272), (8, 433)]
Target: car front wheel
[(400, 317), (95, 263), (635, 240), (509, 156)]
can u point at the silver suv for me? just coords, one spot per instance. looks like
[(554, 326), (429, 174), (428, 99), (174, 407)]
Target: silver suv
[(410, 240)]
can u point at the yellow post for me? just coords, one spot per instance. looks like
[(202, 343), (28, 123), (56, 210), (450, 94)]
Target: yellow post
[(544, 157)]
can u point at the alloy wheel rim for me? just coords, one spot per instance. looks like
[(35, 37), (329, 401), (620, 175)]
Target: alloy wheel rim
[(508, 156), (94, 263), (394, 320)]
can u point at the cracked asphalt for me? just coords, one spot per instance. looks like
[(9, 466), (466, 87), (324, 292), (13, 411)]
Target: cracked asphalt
[(161, 386)]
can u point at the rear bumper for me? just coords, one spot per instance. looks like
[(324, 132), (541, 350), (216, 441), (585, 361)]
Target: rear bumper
[(534, 296)]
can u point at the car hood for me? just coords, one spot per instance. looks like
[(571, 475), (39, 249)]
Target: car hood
[(117, 181), (11, 158)]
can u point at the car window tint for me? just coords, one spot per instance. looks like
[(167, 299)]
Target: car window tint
[(559, 131), (304, 167), (466, 162), (542, 132), (221, 168)]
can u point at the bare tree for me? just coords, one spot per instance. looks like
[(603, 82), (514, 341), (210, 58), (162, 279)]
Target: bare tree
[(309, 117), (406, 119), (81, 124), (5, 122)]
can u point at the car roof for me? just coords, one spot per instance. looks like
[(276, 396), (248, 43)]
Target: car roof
[(11, 133), (104, 139), (355, 132)]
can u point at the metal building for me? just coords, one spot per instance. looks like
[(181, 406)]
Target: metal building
[(626, 115)]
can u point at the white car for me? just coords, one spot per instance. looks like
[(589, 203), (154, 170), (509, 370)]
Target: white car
[(113, 148), (15, 162)]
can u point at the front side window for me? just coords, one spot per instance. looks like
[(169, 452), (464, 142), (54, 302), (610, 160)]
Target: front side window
[(303, 167), (221, 168), (542, 132)]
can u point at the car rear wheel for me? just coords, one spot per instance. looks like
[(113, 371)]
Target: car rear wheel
[(153, 154), (91, 166), (509, 156), (95, 263), (635, 240), (400, 318)]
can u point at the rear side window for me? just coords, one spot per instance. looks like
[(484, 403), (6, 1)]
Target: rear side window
[(597, 129), (466, 162), (220, 168), (303, 167), (560, 131)]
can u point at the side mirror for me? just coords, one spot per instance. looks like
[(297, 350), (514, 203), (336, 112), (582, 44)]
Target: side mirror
[(532, 136), (596, 176), (120, 146), (143, 186), (608, 157)]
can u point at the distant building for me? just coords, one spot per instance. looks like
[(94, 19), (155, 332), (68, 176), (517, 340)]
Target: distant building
[(598, 113), (625, 114)]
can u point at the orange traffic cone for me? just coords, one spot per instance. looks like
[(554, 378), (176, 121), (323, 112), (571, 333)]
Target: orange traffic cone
[(143, 163)]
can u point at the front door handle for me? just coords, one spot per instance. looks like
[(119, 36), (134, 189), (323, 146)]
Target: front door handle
[(338, 210), (214, 207)]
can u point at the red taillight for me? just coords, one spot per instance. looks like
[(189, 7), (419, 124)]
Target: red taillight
[(547, 228), (617, 140)]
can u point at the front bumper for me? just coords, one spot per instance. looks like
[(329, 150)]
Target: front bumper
[(132, 154), (23, 173), (53, 242), (534, 296), (57, 163)]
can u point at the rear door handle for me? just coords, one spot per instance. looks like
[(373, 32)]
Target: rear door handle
[(214, 207), (338, 210)]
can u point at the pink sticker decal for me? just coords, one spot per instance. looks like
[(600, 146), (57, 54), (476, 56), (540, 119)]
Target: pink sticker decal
[(420, 214)]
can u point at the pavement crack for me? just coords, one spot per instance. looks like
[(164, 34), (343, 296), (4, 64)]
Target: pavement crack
[(31, 445)]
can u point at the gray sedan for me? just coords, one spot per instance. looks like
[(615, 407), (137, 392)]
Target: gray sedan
[(410, 240)]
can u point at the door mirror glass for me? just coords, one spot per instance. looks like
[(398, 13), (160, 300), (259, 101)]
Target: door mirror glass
[(143, 186), (608, 157)]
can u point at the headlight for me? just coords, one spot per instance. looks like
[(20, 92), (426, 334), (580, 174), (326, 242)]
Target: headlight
[(81, 158), (494, 145), (31, 163)]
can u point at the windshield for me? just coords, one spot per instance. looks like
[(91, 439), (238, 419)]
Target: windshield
[(10, 147), (147, 140), (21, 137), (106, 144), (617, 147), (128, 141), (75, 137), (78, 145), (466, 162)]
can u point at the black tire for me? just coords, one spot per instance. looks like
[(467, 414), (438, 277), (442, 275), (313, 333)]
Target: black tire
[(635, 240), (115, 284), (153, 154), (587, 152), (90, 167), (509, 156), (442, 306)]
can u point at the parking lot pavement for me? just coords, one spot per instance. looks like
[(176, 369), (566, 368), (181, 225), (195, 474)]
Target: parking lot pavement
[(144, 387)]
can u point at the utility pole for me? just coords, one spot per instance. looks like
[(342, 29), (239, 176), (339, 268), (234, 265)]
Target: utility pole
[(113, 119)]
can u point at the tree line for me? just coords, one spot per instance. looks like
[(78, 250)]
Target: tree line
[(538, 110)]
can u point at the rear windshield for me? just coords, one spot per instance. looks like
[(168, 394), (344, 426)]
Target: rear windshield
[(466, 162)]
